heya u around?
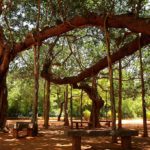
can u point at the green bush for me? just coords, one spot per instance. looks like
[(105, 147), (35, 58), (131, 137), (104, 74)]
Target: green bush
[(109, 114), (148, 115), (132, 108), (86, 114)]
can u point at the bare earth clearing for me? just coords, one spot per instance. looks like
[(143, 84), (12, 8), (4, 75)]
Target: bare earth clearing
[(54, 139)]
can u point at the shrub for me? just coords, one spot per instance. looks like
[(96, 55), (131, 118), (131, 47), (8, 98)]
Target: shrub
[(86, 114), (109, 114), (148, 115)]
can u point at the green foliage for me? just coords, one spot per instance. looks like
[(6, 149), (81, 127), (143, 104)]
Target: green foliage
[(132, 108), (86, 114), (109, 114), (20, 98), (148, 115)]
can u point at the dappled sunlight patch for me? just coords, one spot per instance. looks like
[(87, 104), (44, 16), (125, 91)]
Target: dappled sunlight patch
[(10, 140), (54, 139), (63, 145), (54, 132), (43, 132), (59, 139), (119, 141), (140, 135), (85, 147), (29, 137)]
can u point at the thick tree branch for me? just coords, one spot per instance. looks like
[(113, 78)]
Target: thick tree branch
[(124, 51), (91, 92), (139, 25), (1, 5), (4, 53)]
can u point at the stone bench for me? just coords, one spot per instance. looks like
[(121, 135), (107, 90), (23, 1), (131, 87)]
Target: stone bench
[(107, 122), (19, 126), (123, 133), (78, 124)]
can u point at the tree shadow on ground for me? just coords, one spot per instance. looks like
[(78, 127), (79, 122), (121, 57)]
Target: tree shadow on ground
[(54, 139)]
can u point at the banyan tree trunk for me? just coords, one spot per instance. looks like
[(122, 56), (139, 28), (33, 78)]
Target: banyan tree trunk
[(97, 103), (3, 102), (94, 118)]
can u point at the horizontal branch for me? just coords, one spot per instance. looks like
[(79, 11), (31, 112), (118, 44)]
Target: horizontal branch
[(126, 50), (138, 25)]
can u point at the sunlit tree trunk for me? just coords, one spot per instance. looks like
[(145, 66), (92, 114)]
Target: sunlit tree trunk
[(47, 105), (120, 97), (112, 99), (145, 132), (66, 120), (110, 68), (36, 76), (36, 90)]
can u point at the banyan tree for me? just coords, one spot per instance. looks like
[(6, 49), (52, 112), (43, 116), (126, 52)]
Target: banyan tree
[(18, 33)]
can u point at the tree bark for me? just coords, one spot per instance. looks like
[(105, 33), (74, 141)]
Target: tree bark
[(4, 65), (1, 6), (47, 105), (71, 107), (97, 103), (66, 120), (61, 104), (120, 96), (61, 110), (3, 102), (94, 118), (44, 97), (81, 103), (110, 69), (36, 90), (145, 132)]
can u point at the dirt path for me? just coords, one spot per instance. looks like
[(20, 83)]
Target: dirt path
[(54, 139)]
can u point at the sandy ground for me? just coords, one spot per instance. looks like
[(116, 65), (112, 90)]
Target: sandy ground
[(54, 139)]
